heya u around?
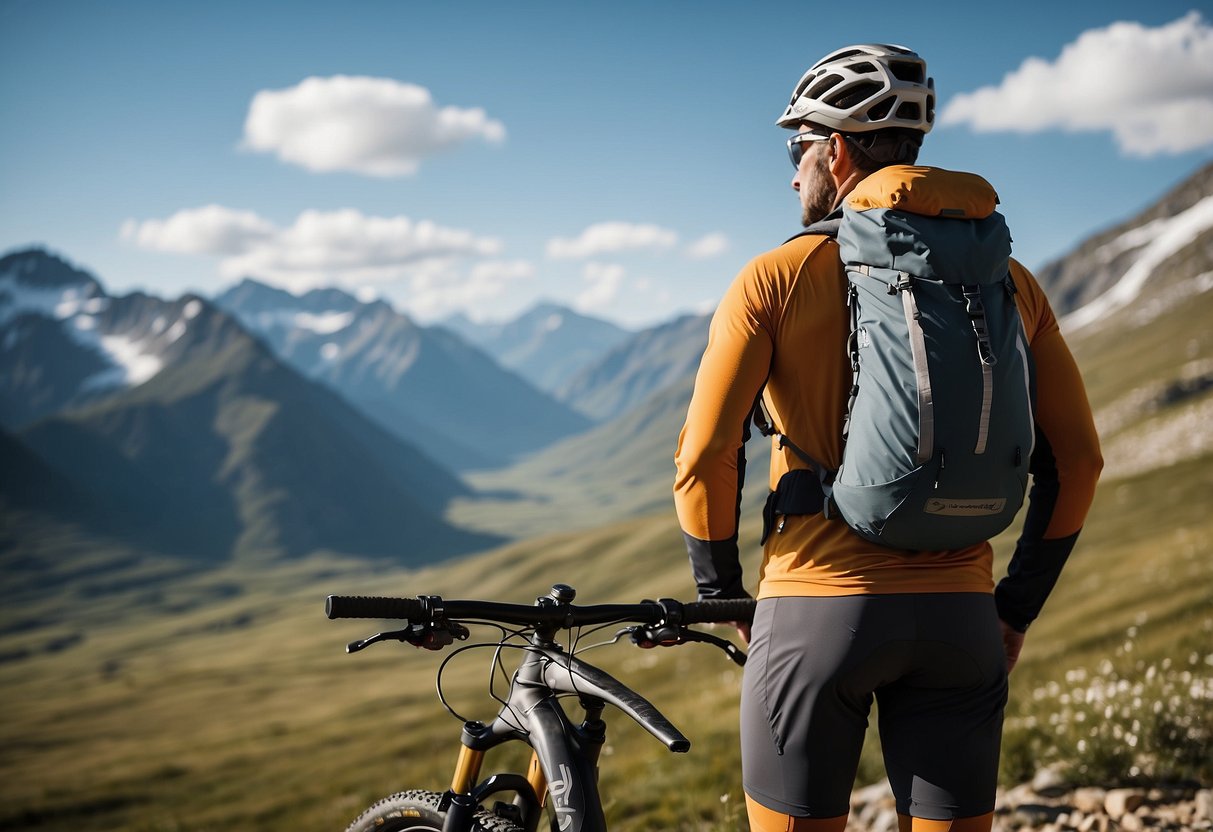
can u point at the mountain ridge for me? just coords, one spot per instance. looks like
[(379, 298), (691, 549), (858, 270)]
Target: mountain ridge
[(222, 451), (547, 344), (1096, 264), (401, 374)]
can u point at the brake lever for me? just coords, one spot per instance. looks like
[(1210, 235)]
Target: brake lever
[(669, 636), (730, 649), (419, 635)]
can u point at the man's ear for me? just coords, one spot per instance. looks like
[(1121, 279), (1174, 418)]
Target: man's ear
[(839, 153)]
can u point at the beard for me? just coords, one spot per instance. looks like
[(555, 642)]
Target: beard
[(818, 199)]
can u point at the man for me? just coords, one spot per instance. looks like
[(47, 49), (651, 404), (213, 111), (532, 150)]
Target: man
[(840, 620)]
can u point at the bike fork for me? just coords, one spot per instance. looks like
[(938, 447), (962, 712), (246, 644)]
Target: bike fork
[(467, 794)]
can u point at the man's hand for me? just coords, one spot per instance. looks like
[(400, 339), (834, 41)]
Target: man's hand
[(1012, 643), (668, 637), (743, 630)]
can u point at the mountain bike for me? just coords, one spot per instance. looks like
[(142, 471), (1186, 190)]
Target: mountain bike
[(564, 753)]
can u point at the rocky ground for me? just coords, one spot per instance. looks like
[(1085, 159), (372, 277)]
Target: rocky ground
[(1048, 804)]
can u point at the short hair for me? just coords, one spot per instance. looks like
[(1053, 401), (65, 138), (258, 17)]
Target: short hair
[(880, 148)]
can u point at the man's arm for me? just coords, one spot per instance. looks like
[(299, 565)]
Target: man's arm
[(711, 448), (1065, 467)]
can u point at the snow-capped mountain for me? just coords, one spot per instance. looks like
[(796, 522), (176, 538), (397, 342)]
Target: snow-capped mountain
[(64, 341), (166, 427), (424, 384), (1108, 271), (1135, 303), (547, 345)]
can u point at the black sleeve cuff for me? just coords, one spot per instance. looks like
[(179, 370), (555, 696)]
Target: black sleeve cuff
[(1031, 576), (716, 567)]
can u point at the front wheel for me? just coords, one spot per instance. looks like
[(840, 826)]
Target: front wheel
[(418, 811)]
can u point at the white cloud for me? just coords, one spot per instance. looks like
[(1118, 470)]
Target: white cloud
[(320, 247), (708, 246), (604, 281), (211, 229), (438, 288), (1153, 88), (612, 237), (374, 126), (500, 272)]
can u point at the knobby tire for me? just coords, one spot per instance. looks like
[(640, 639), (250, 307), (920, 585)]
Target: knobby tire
[(418, 811)]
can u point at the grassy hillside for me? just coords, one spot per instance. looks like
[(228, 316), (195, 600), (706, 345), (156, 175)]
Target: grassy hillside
[(620, 469), (226, 702)]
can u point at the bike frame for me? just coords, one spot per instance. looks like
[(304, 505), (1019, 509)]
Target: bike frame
[(565, 758)]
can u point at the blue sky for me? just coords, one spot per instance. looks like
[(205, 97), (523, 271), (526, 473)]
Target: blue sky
[(620, 157)]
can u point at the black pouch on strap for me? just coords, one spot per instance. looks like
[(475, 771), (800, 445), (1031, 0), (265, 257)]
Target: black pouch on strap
[(799, 492)]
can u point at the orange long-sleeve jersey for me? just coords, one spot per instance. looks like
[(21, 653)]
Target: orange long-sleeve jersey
[(783, 323)]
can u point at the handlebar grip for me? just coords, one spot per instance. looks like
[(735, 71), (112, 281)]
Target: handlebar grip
[(364, 606), (726, 609)]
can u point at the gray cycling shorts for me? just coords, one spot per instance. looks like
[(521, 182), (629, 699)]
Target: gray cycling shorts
[(937, 670)]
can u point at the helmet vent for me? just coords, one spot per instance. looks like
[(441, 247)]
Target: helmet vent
[(850, 53), (908, 110), (881, 109), (823, 86), (907, 71), (850, 97), (865, 67)]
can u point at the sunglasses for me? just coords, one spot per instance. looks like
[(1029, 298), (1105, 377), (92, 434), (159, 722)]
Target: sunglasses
[(797, 144)]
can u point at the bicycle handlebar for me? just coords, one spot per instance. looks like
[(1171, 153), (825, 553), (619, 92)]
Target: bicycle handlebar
[(426, 609)]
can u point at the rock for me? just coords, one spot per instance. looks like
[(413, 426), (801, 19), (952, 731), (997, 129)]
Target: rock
[(1203, 810), (1049, 782), (1091, 823), (1036, 814), (1011, 798), (873, 804), (1131, 823), (886, 821), (1089, 799), (1120, 802), (876, 793)]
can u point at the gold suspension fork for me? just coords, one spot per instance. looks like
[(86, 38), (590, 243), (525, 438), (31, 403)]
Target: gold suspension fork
[(534, 776), (467, 770)]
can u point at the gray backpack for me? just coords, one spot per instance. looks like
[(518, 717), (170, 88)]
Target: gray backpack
[(939, 425)]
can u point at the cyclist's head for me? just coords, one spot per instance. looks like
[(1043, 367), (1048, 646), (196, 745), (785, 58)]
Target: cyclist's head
[(877, 95)]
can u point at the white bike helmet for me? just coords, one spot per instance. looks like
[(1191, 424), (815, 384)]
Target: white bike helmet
[(866, 87)]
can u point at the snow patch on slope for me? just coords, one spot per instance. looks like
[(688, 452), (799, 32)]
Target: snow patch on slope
[(18, 298), (324, 323), (1158, 241), (133, 361)]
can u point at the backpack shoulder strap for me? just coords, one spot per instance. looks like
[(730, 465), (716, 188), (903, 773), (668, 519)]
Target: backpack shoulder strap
[(827, 227), (762, 421)]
